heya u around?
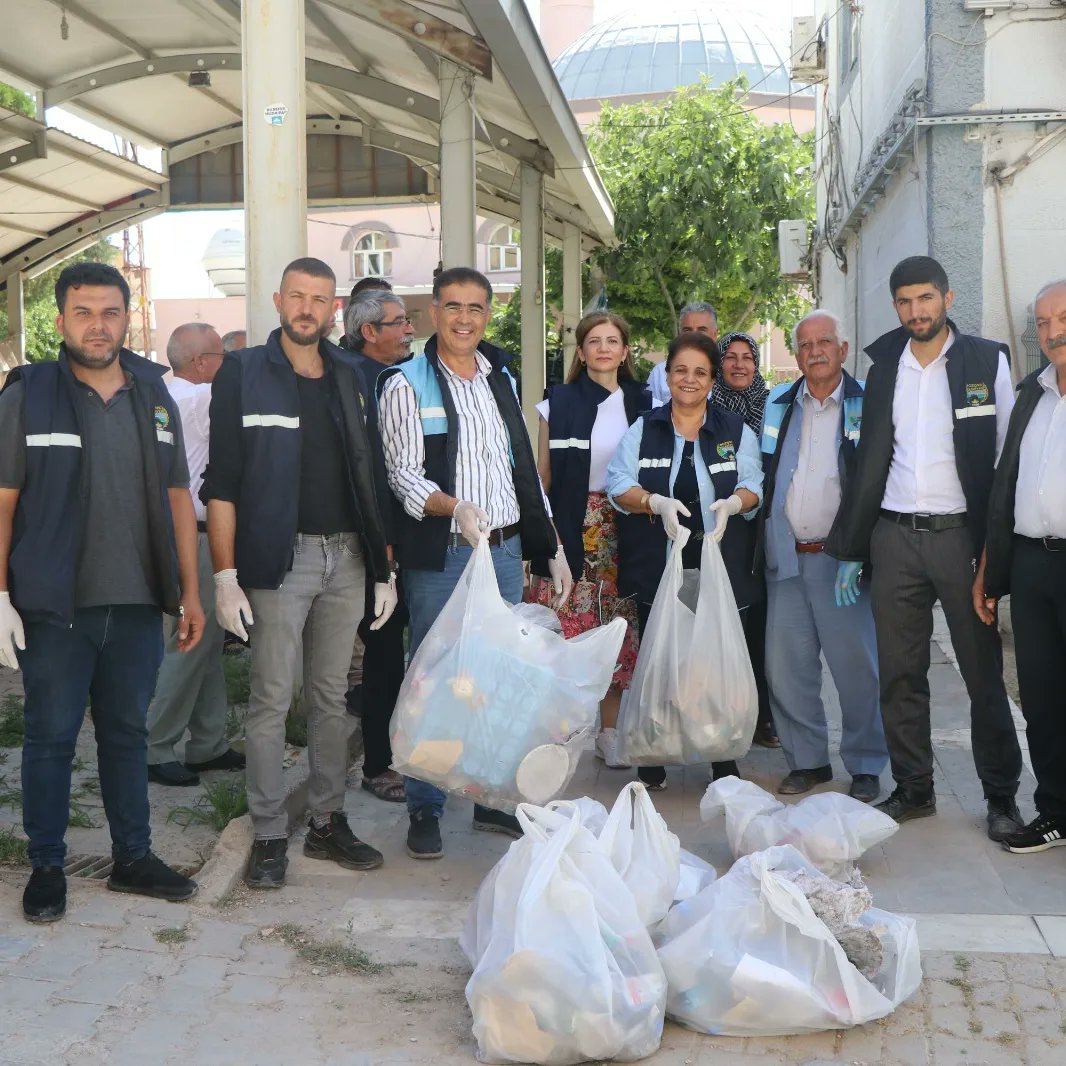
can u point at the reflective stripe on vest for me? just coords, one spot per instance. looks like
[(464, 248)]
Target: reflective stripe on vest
[(165, 436), (49, 440), (975, 412), (267, 421), (721, 468), (656, 462), (569, 442)]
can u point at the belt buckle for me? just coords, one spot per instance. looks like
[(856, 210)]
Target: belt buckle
[(1048, 547), (925, 516)]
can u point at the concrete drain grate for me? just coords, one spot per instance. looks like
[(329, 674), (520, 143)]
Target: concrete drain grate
[(98, 867)]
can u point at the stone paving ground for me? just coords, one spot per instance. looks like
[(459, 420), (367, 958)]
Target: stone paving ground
[(256, 978)]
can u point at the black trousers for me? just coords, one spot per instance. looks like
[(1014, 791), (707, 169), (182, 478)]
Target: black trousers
[(911, 571), (383, 670), (1038, 613), (753, 622)]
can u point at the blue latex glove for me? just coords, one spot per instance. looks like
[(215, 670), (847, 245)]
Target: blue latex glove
[(847, 585)]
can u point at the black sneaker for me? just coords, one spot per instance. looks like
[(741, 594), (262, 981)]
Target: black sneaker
[(865, 787), (228, 760), (337, 842), (45, 897), (1041, 834), (490, 821), (172, 773), (902, 806), (150, 876), (267, 864), (800, 781), (1004, 818), (423, 838)]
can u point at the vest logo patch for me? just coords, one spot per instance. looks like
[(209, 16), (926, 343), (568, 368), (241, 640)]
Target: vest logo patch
[(162, 417), (976, 394), (727, 451)]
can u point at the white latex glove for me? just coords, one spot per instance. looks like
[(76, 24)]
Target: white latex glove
[(232, 608), (472, 520), (562, 579), (667, 508), (723, 510), (12, 635), (384, 602)]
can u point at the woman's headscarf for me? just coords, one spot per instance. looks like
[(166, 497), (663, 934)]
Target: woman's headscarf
[(748, 404)]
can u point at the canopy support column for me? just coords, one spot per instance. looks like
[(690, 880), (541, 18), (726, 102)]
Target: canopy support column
[(531, 240), (572, 302), (457, 167)]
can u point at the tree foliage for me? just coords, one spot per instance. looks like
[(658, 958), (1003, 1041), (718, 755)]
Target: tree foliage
[(15, 100), (699, 185)]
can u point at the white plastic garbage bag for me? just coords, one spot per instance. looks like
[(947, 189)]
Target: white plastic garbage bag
[(830, 829), (643, 851), (692, 698), (696, 875), (495, 706), (564, 969), (749, 956)]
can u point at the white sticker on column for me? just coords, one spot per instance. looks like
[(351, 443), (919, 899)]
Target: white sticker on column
[(274, 114)]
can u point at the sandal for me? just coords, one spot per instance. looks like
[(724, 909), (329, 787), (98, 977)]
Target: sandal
[(387, 786)]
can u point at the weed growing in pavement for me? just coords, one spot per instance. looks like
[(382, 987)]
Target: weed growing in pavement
[(10, 797), (962, 963), (77, 765), (12, 722), (14, 850), (175, 935), (238, 671), (329, 955), (217, 806), (79, 817)]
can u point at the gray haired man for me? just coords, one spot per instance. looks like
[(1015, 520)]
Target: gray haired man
[(696, 317)]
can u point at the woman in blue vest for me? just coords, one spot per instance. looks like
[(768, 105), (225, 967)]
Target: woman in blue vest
[(692, 464), (581, 424)]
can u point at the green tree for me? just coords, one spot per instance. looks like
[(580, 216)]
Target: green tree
[(15, 100), (699, 185)]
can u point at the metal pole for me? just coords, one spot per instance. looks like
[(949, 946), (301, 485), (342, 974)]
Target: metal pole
[(457, 161), (531, 211), (572, 302), (16, 318), (275, 163)]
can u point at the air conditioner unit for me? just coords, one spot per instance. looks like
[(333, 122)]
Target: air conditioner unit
[(792, 247), (808, 51)]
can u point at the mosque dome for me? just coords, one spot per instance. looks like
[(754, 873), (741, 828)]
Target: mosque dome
[(659, 47), (223, 259)]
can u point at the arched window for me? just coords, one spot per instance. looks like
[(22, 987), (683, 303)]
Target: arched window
[(372, 256), (504, 253)]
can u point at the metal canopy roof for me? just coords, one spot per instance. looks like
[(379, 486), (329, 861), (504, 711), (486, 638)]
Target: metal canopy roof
[(371, 76)]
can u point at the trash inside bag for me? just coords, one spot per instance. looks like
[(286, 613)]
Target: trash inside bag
[(832, 830), (766, 950), (564, 969), (539, 615), (495, 706), (692, 698)]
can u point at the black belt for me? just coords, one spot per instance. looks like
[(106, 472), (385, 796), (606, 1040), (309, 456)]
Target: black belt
[(926, 523), (1049, 544), (496, 536), (201, 527)]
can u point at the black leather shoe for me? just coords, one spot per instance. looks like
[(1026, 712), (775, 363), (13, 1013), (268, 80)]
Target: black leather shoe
[(902, 806), (423, 838), (865, 787), (150, 876), (1004, 818), (490, 821), (45, 896), (228, 760), (172, 773), (267, 864), (336, 841), (800, 781)]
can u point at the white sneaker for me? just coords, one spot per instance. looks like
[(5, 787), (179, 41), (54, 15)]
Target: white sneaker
[(607, 750)]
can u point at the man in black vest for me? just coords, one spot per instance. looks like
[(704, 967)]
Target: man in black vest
[(1026, 556), (293, 518), (97, 539), (935, 413)]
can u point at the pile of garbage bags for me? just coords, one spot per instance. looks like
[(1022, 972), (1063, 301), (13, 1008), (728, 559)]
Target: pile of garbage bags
[(597, 925)]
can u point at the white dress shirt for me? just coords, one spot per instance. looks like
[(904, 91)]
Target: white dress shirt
[(813, 497), (923, 477), (1040, 492), (194, 406), (483, 474)]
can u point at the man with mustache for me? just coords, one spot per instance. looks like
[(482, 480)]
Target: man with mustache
[(1026, 556), (809, 436), (935, 415), (294, 519)]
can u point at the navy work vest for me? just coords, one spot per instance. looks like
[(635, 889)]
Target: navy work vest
[(642, 542), (49, 520)]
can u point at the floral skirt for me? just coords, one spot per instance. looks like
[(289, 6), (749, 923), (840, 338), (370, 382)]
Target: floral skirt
[(595, 601)]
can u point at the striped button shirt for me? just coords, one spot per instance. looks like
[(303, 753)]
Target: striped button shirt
[(483, 464)]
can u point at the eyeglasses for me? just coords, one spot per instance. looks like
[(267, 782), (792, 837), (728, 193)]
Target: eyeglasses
[(403, 320), (451, 308)]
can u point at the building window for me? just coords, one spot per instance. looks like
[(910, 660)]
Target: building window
[(372, 256), (849, 28), (504, 253)]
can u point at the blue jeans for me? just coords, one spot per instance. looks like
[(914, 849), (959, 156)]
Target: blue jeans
[(427, 592), (109, 659)]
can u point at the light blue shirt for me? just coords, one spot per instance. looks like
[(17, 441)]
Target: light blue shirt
[(623, 468)]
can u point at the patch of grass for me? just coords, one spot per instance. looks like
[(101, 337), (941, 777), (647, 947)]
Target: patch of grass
[(79, 817), (90, 784), (14, 850), (975, 1027), (10, 797), (12, 722), (962, 963), (238, 671), (1062, 1027), (77, 764), (1005, 1039), (217, 806), (329, 955), (177, 934)]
